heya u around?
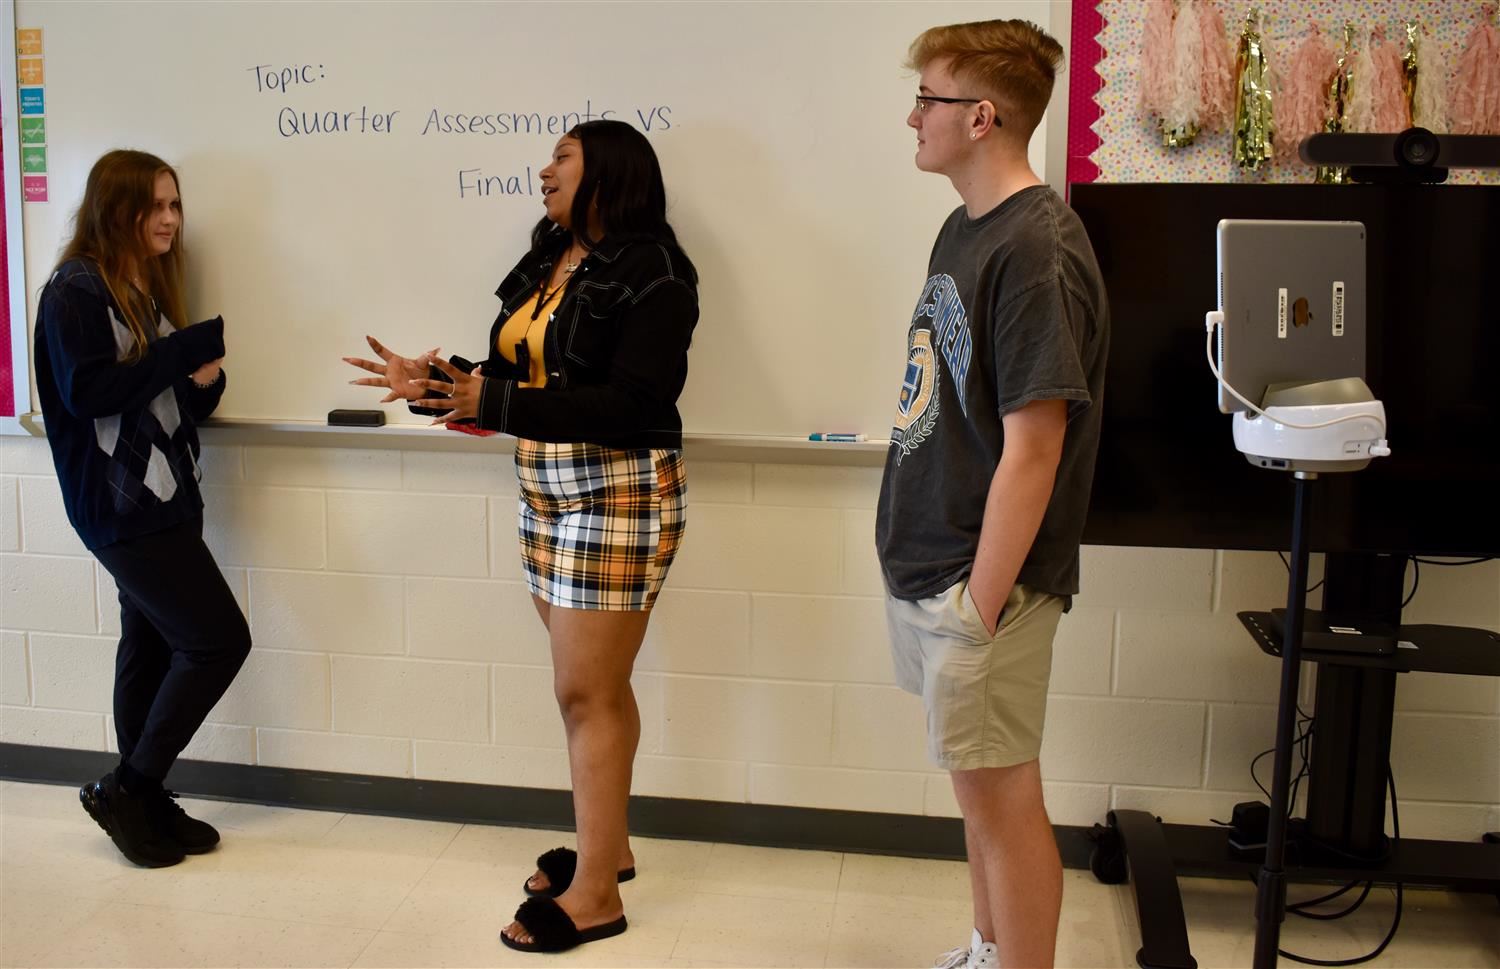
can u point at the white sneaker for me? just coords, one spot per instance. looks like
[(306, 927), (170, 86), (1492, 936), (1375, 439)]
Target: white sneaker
[(953, 959), (978, 955)]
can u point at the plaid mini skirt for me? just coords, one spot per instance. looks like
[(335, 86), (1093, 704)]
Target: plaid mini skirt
[(599, 526)]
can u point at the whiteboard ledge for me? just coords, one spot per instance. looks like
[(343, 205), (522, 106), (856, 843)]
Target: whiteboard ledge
[(756, 449), (22, 425), (746, 448)]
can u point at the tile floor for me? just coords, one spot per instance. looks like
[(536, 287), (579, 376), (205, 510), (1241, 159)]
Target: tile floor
[(309, 888)]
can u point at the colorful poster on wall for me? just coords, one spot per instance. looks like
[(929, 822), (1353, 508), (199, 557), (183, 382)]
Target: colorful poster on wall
[(7, 376), (31, 77), (24, 91)]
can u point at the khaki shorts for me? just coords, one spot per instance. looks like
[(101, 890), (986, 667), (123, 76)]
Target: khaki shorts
[(985, 696)]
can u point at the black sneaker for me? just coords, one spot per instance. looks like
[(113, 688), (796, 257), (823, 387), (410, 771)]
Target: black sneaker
[(125, 819), (195, 837)]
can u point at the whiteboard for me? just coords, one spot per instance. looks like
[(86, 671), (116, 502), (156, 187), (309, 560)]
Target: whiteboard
[(780, 128)]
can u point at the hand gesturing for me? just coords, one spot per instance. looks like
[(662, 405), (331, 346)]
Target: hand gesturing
[(397, 373)]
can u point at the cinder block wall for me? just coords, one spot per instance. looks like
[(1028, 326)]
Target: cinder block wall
[(394, 636)]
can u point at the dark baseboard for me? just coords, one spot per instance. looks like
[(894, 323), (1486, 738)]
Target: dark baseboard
[(771, 825)]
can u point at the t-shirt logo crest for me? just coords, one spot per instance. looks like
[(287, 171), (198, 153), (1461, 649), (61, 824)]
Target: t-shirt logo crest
[(917, 410)]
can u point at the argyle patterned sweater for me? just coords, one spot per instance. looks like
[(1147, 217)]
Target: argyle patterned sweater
[(124, 435)]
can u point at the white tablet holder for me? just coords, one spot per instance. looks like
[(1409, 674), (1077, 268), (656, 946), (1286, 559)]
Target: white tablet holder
[(1307, 429)]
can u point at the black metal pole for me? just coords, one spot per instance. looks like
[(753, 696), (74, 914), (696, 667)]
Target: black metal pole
[(1270, 898)]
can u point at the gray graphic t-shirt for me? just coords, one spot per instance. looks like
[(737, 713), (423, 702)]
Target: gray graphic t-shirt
[(1013, 311)]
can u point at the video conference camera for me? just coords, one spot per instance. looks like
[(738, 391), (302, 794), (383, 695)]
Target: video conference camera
[(1415, 155)]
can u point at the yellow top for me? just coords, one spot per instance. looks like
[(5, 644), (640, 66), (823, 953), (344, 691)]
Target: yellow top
[(520, 326)]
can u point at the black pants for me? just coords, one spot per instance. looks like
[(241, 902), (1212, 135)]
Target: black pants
[(182, 640)]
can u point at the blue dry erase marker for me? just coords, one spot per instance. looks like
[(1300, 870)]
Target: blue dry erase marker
[(837, 438)]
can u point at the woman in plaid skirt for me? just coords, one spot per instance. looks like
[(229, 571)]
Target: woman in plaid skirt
[(584, 365)]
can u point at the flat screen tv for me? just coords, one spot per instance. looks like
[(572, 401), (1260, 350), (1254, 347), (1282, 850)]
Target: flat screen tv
[(1168, 473)]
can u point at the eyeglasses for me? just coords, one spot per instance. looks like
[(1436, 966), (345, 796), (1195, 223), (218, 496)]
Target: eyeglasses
[(923, 100)]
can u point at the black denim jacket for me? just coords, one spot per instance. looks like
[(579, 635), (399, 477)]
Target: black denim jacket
[(615, 350)]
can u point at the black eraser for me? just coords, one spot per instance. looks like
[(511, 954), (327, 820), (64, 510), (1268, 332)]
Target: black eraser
[(356, 418)]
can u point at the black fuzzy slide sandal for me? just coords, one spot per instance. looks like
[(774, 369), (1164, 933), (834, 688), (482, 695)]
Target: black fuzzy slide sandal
[(552, 930), (560, 865)]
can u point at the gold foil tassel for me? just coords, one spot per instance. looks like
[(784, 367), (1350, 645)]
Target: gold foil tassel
[(1339, 87), (1179, 137), (1409, 69), (1254, 128)]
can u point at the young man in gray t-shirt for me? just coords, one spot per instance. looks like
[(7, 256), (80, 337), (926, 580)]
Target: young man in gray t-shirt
[(987, 481)]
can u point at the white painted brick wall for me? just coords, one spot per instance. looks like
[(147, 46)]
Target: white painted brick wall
[(10, 513), (222, 742), (812, 486), (491, 764), (269, 528), (1114, 741), (323, 467), (478, 620), (73, 672), (760, 549), (25, 455), (276, 688), (397, 533), (788, 723), (839, 639), (47, 529), (1446, 821), (46, 592), (51, 728), (714, 780), (222, 465), (693, 631), (1083, 651), (107, 601), (839, 788), (15, 676), (1467, 595), (1180, 580), (504, 548), (1425, 750), (344, 753), (395, 636), (458, 474), (1252, 581), (718, 482), (1187, 656), (1448, 693), (1236, 734), (327, 613), (861, 573), (525, 708), (411, 698), (878, 727), (651, 698)]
